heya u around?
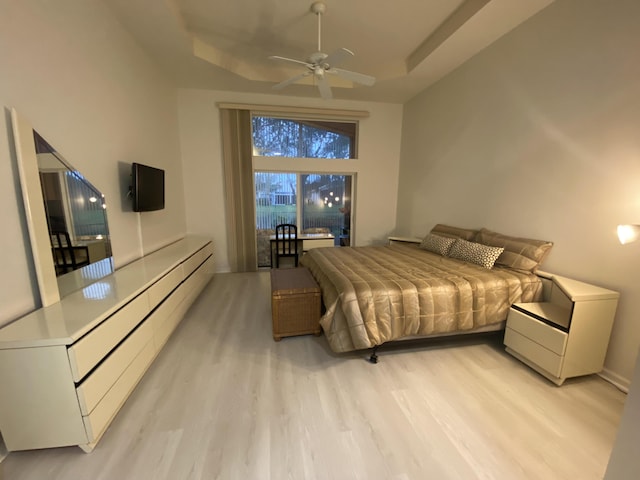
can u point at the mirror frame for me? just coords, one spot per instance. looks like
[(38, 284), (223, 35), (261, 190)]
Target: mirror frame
[(36, 216)]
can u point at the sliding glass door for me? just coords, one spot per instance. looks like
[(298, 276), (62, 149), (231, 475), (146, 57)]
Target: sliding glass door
[(315, 202)]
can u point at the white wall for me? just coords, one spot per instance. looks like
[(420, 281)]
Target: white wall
[(85, 85), (376, 168), (538, 136), (625, 462)]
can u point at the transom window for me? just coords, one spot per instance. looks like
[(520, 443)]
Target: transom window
[(286, 137)]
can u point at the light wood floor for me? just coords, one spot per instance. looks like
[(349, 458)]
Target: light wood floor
[(224, 401)]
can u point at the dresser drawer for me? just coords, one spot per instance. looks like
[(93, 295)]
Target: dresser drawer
[(534, 352), (541, 333), (98, 420), (159, 290), (189, 265), (194, 284), (163, 316), (93, 347), (96, 385)]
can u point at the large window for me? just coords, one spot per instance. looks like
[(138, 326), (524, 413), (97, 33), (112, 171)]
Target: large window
[(315, 202), (291, 186), (282, 137)]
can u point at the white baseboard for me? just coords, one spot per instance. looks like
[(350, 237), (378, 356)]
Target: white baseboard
[(616, 380)]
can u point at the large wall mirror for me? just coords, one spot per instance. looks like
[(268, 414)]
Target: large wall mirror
[(66, 216)]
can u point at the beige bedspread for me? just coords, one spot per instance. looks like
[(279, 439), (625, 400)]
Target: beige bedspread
[(374, 295)]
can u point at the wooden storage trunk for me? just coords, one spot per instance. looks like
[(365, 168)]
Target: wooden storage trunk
[(295, 302)]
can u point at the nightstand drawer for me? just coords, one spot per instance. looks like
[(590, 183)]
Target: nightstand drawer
[(545, 359), (537, 331)]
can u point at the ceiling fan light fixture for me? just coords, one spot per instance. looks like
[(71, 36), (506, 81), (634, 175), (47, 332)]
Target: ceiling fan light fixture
[(318, 8), (320, 63)]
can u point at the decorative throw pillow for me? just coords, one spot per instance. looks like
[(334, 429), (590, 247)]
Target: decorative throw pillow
[(454, 232), (519, 253), (437, 244), (477, 253)]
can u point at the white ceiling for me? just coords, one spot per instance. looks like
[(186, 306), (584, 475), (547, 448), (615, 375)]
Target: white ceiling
[(406, 44)]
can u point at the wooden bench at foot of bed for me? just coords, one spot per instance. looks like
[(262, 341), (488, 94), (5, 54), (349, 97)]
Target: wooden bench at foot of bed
[(295, 303)]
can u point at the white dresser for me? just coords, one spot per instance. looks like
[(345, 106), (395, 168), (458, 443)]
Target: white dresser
[(567, 334), (65, 370)]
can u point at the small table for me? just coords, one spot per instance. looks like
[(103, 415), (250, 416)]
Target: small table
[(397, 240), (295, 303), (306, 241)]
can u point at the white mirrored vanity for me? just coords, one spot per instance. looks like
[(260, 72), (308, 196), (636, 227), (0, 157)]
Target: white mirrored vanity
[(66, 369)]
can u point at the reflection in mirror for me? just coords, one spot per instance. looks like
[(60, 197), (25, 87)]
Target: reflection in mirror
[(76, 218), (75, 211), (60, 220)]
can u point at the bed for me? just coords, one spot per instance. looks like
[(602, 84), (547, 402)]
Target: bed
[(456, 281)]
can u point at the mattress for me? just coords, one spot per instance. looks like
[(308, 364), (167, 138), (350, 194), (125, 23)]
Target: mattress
[(377, 294)]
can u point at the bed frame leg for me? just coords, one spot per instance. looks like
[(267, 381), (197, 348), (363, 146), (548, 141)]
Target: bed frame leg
[(374, 357)]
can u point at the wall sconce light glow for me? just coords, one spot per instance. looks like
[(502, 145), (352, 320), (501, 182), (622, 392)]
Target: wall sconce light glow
[(93, 199), (628, 233)]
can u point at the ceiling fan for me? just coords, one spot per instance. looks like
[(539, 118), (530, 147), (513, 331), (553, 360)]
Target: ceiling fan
[(320, 64)]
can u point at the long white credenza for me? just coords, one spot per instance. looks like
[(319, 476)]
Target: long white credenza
[(67, 369)]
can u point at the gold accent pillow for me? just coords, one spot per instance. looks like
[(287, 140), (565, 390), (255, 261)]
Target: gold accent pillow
[(519, 253), (454, 232)]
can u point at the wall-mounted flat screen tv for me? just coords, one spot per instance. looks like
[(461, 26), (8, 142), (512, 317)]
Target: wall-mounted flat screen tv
[(148, 188)]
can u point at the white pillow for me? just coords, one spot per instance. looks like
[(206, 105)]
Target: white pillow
[(437, 244), (477, 253)]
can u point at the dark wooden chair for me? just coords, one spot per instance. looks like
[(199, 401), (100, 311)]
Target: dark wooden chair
[(67, 256), (286, 242)]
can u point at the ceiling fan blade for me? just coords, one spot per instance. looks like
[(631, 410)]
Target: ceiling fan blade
[(281, 85), (337, 57), (353, 76), (276, 57), (323, 86)]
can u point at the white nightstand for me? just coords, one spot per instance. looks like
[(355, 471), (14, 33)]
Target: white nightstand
[(567, 334), (393, 240)]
